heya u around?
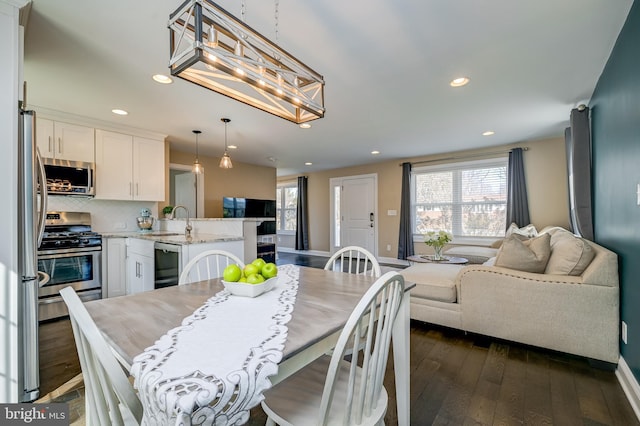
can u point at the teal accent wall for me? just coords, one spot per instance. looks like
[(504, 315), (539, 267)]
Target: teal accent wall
[(615, 122)]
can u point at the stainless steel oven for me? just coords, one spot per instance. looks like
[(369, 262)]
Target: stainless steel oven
[(70, 254)]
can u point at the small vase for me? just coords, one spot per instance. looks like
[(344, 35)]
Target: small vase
[(437, 253)]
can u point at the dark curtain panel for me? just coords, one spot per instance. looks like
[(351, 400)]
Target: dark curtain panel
[(405, 241), (302, 219), (578, 144), (517, 204)]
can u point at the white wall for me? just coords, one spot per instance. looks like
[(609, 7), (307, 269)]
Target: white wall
[(9, 52)]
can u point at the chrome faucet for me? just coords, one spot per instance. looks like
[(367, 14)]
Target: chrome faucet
[(188, 228)]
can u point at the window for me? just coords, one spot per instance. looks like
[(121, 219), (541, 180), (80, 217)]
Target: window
[(468, 199), (286, 207)]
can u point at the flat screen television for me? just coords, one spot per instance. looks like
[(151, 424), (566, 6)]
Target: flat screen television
[(248, 207)]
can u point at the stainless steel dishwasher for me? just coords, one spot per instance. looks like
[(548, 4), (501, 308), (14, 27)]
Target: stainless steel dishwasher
[(168, 264)]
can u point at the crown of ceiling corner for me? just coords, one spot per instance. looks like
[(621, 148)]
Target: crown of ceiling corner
[(214, 49)]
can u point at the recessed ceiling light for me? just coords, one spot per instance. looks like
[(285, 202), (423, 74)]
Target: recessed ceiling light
[(119, 111), (305, 126), (232, 146), (488, 133), (308, 163), (375, 152), (459, 82), (162, 79)]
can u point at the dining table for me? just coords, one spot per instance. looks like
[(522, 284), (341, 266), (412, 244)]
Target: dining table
[(315, 304)]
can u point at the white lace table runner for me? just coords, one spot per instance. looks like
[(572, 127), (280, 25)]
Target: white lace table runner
[(213, 368)]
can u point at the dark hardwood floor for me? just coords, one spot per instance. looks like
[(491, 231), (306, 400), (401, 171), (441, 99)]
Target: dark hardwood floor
[(457, 378), (58, 357)]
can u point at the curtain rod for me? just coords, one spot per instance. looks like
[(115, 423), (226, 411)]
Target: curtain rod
[(464, 157)]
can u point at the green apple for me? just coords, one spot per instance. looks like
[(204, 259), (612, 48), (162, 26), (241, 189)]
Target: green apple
[(269, 270), (242, 279), (232, 273), (255, 279), (250, 269), (259, 262)]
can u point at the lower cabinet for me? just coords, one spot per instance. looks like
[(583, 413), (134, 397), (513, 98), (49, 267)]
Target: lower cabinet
[(140, 271), (114, 278), (190, 251)]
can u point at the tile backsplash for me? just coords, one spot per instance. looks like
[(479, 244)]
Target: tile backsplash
[(106, 215)]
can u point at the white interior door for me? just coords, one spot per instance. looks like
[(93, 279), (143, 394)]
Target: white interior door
[(185, 184), (356, 203)]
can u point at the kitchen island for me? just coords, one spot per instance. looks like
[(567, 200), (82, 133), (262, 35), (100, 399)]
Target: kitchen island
[(135, 262)]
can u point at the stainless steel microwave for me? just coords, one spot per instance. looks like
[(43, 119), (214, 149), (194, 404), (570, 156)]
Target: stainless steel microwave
[(65, 177)]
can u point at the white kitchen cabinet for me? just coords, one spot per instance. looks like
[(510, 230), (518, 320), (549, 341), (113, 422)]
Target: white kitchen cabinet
[(148, 169), (114, 256), (129, 167), (140, 270), (65, 141)]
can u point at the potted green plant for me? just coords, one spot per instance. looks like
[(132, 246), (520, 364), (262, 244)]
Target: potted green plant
[(167, 211)]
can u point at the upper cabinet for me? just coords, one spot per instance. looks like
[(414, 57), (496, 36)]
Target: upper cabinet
[(129, 167), (65, 141)]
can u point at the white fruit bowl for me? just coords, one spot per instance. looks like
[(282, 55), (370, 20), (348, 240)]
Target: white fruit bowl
[(249, 290)]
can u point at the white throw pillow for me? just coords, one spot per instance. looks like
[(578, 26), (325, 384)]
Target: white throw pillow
[(528, 231), (490, 262)]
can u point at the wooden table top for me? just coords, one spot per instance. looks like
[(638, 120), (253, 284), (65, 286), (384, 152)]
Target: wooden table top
[(132, 323)]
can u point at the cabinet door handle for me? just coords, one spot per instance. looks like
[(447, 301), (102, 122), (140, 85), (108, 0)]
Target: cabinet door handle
[(59, 145), (137, 190), (50, 145), (130, 188)]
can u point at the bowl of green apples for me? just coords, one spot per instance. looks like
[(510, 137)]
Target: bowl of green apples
[(254, 279)]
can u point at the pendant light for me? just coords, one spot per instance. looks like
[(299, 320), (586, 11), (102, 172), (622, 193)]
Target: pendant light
[(197, 167), (225, 161)]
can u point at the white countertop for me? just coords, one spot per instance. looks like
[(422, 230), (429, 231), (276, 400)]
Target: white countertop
[(174, 237)]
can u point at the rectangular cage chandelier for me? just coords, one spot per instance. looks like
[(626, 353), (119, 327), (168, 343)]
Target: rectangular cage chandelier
[(213, 49)]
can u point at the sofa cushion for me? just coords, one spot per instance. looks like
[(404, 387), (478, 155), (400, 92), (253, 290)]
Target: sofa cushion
[(570, 255), (434, 281), (474, 254), (530, 255)]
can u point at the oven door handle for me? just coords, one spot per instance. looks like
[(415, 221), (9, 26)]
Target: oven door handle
[(43, 278)]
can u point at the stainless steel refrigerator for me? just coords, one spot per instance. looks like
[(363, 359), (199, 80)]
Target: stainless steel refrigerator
[(31, 211)]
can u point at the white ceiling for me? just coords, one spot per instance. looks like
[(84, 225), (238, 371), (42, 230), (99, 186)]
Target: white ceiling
[(386, 64)]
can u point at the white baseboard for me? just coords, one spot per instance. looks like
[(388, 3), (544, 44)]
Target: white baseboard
[(309, 252), (393, 261), (629, 385)]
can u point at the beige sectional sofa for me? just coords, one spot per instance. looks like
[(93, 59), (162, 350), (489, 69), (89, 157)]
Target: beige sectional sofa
[(560, 307)]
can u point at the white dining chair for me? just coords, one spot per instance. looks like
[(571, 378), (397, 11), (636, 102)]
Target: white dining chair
[(354, 260), (110, 399), (332, 391), (208, 264)]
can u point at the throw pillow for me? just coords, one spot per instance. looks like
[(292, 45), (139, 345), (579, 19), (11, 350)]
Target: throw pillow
[(570, 255), (528, 231), (490, 262), (530, 255)]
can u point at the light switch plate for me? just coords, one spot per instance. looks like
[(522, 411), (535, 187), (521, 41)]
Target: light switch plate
[(395, 212)]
